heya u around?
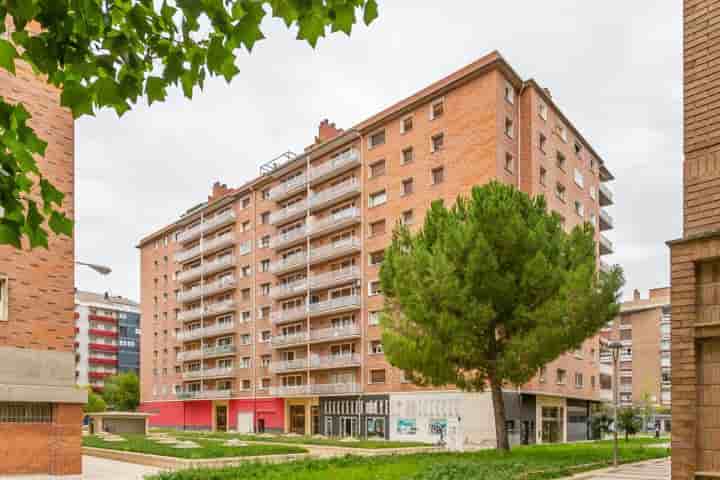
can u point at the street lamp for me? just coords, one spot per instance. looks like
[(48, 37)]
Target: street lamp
[(101, 269), (615, 347)]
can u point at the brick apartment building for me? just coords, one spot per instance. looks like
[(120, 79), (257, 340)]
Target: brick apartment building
[(260, 306), (643, 327), (107, 337), (40, 407), (695, 277)]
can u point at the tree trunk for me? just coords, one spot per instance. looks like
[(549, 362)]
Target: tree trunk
[(499, 409)]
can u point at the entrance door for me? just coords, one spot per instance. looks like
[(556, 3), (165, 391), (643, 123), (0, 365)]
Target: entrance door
[(261, 425), (315, 412), (348, 426), (297, 419), (221, 418), (552, 424)]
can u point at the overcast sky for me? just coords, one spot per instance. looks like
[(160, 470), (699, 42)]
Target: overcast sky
[(614, 68)]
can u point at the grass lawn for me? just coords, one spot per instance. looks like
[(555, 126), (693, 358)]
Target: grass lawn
[(208, 448), (370, 444), (523, 463)]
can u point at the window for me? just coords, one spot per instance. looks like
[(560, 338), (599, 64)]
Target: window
[(265, 336), (579, 181), (374, 288), (407, 155), (562, 132), (245, 362), (245, 202), (509, 93), (265, 194), (593, 192), (376, 139), (437, 142), (376, 347), (406, 218), (542, 110), (509, 127), (561, 376), (25, 412), (265, 383), (377, 376), (264, 242), (245, 316), (542, 142), (578, 380), (509, 163), (437, 108), (377, 169), (245, 226), (374, 318), (245, 271), (543, 176), (593, 220), (560, 161), (265, 361), (265, 218), (438, 175), (406, 124), (265, 289), (407, 187), (377, 228), (245, 339), (592, 381), (265, 265), (4, 298), (377, 198), (542, 377), (560, 191), (245, 294), (376, 258), (578, 149), (246, 384), (579, 208)]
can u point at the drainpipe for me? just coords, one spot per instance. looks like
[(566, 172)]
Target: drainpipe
[(519, 152)]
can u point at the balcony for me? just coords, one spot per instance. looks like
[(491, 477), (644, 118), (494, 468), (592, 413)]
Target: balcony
[(319, 362), (606, 395), (220, 285), (606, 221), (334, 278), (625, 388), (333, 195), (282, 341), (207, 352), (207, 311), (332, 334), (213, 330), (606, 246), (289, 213), (289, 263), (209, 373), (316, 389), (289, 365), (102, 347), (287, 239), (208, 225), (102, 361), (335, 166), (333, 222), (206, 268), (288, 188), (606, 369), (335, 305), (288, 315), (606, 195), (334, 250), (291, 289), (206, 394), (206, 247), (100, 332)]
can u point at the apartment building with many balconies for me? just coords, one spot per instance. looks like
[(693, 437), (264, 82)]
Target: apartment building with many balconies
[(260, 306), (107, 337)]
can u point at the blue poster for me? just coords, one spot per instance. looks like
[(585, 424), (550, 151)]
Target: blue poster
[(438, 426), (406, 426)]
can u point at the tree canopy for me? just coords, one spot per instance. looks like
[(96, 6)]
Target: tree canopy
[(95, 403), (629, 421), (114, 53), (122, 392), (490, 290)]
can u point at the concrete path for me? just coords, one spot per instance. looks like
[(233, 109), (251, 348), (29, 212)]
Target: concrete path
[(652, 470), (97, 469)]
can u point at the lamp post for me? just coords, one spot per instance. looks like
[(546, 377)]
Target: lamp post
[(101, 269), (615, 347)]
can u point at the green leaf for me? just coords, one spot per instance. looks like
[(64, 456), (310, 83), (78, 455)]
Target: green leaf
[(155, 89), (312, 27), (60, 224), (371, 11), (77, 99), (10, 235), (344, 18), (50, 195), (8, 54)]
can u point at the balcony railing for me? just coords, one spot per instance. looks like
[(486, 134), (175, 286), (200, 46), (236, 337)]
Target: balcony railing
[(291, 212), (334, 194), (206, 352), (606, 221), (288, 238), (206, 247), (606, 395), (289, 263), (606, 246), (288, 315), (184, 395), (209, 373), (287, 188), (289, 365), (316, 389), (334, 221), (208, 310), (606, 195), (335, 304), (331, 334), (289, 289), (335, 165), (209, 224), (194, 334), (335, 249), (279, 341), (334, 361), (206, 268), (211, 288)]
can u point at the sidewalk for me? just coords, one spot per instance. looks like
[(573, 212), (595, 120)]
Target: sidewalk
[(650, 470)]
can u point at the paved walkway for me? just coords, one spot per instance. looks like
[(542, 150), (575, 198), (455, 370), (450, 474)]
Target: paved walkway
[(652, 470), (95, 468)]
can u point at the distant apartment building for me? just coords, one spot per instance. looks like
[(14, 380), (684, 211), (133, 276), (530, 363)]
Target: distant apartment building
[(260, 307), (40, 406), (107, 337), (643, 328)]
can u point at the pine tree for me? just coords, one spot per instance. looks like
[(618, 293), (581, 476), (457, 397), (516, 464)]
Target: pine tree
[(490, 290)]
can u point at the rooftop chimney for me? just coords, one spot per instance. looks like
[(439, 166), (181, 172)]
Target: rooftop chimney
[(636, 294), (218, 190), (327, 131)]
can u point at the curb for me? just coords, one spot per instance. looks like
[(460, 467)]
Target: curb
[(602, 471)]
